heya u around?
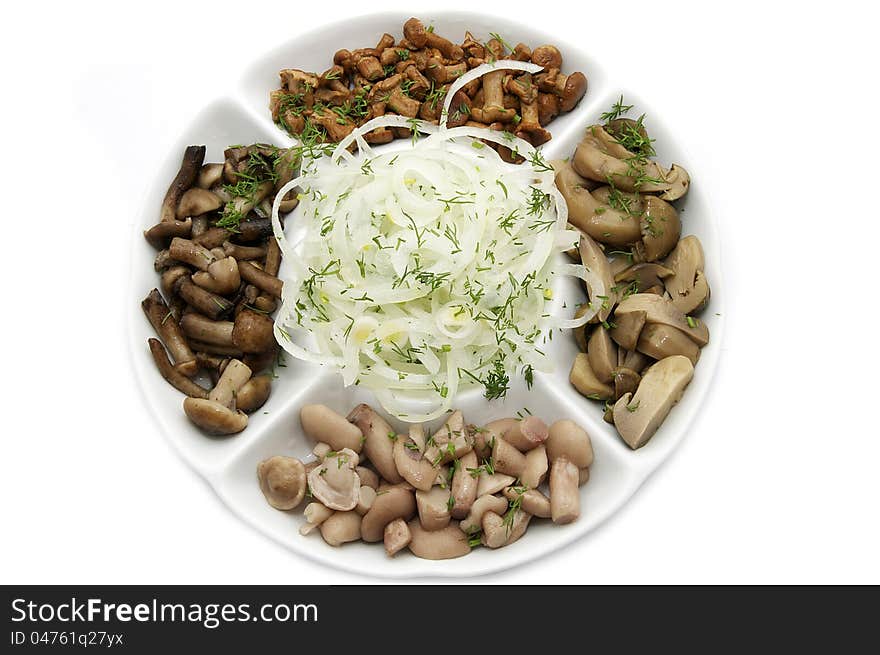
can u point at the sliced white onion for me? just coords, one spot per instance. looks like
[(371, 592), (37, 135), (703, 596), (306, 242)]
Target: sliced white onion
[(416, 265), (478, 72)]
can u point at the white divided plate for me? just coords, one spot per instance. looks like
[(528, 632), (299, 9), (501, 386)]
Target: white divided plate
[(229, 464)]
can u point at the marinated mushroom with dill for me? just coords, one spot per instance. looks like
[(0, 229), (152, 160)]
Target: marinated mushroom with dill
[(431, 491), (411, 76), (218, 263), (639, 351)]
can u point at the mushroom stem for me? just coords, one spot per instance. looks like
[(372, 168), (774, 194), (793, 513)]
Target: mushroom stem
[(565, 500), (172, 375), (202, 300), (189, 252), (204, 329), (260, 279), (235, 375), (158, 235), (166, 326), (193, 158)]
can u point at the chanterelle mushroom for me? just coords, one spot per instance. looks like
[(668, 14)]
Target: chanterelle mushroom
[(335, 482), (638, 416)]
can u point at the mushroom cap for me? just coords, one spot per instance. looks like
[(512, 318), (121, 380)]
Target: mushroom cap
[(661, 228), (575, 88), (660, 341), (414, 32), (253, 332), (568, 439), (679, 182), (196, 201), (626, 381), (446, 543), (396, 537), (378, 444), (335, 482), (661, 310), (687, 286), (394, 503), (433, 508), (585, 381), (254, 393), (627, 328), (602, 353), (600, 284), (590, 212), (282, 481), (637, 416), (547, 56), (213, 417), (412, 465)]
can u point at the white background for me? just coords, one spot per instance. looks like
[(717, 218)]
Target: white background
[(777, 106)]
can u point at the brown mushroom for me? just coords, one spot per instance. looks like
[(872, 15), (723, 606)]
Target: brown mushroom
[(209, 175), (221, 276), (532, 501), (260, 278), (282, 481), (627, 328), (193, 158), (493, 100), (253, 332), (163, 231), (637, 416), (585, 381), (171, 374), (202, 329), (626, 381), (254, 393), (687, 286), (591, 212), (601, 282), (643, 277), (214, 418), (661, 310), (189, 252), (547, 56), (235, 375), (203, 301), (660, 341), (602, 354), (169, 330), (660, 227), (195, 202)]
